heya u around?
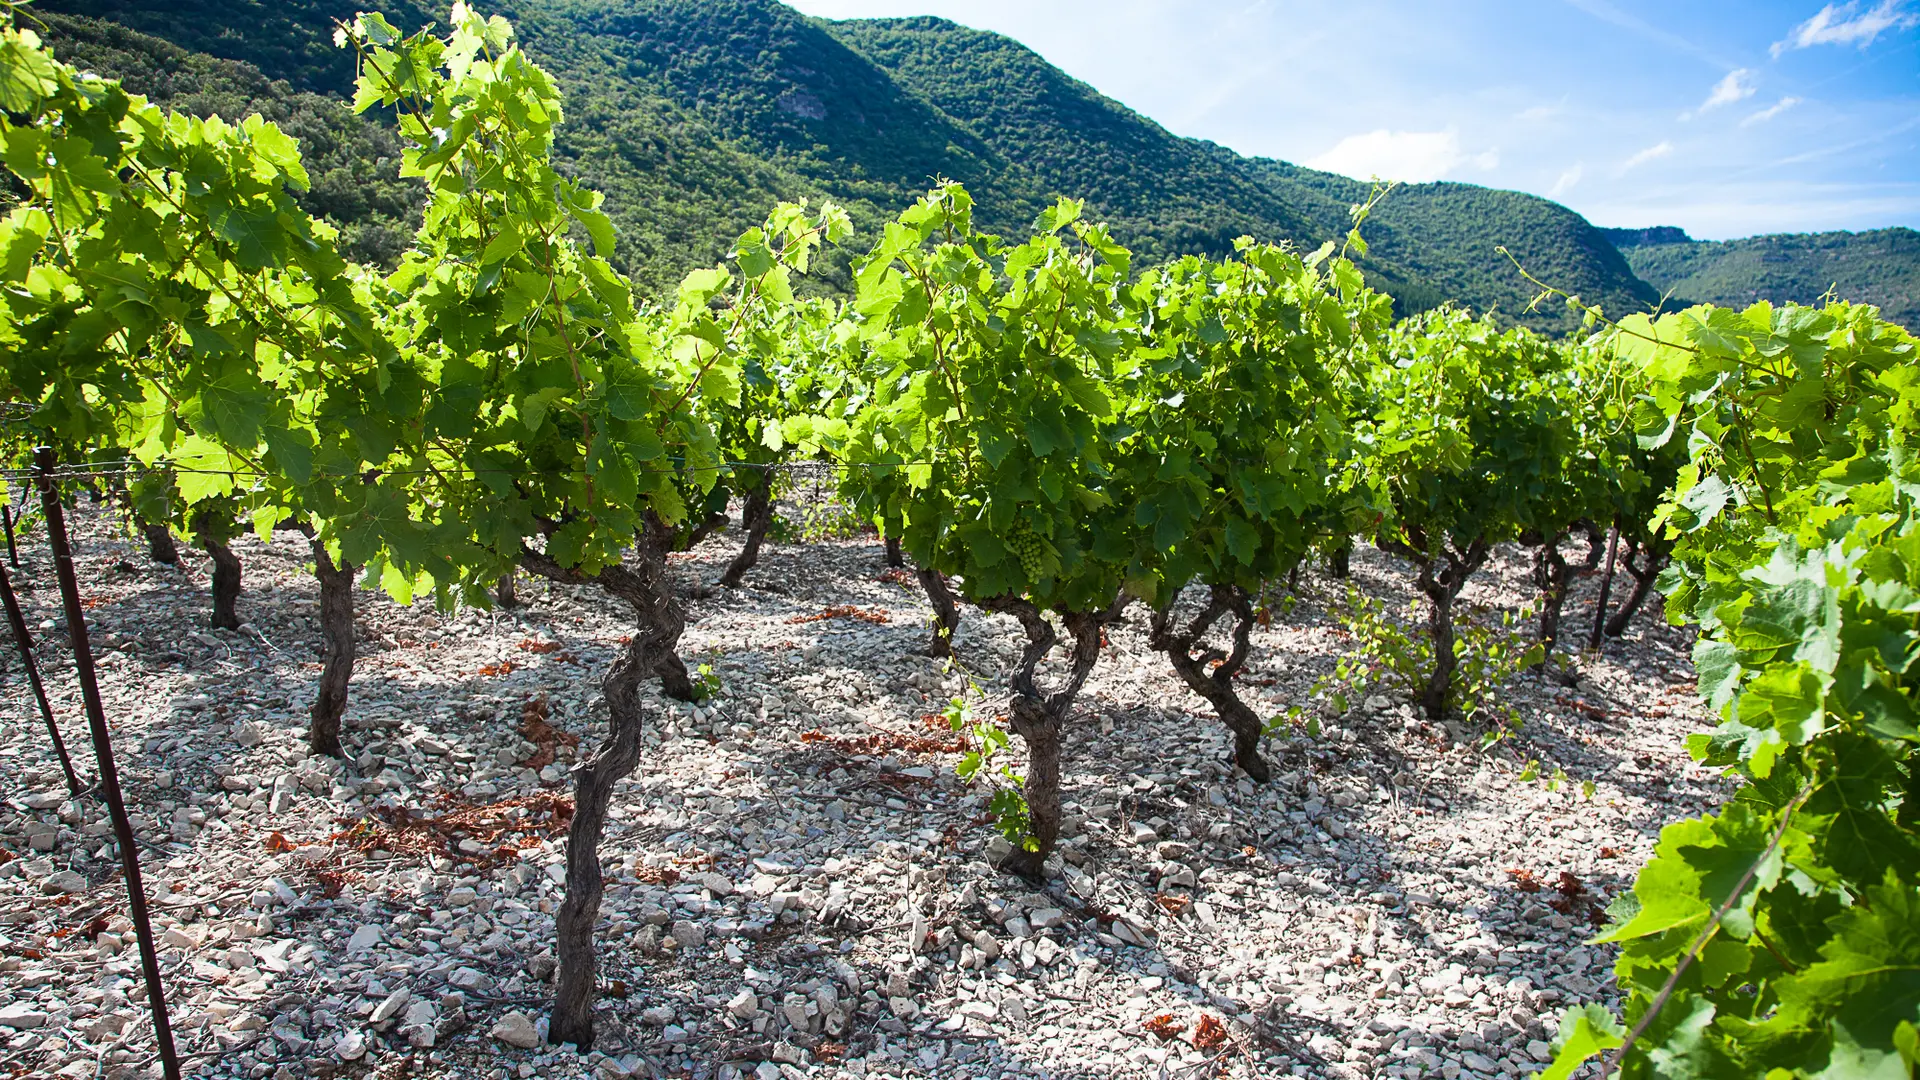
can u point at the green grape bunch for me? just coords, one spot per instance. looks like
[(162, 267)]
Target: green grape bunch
[(1028, 547)]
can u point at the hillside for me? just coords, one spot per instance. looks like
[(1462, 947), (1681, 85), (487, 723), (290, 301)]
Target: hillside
[(1880, 267), (679, 191), (695, 117), (1170, 194)]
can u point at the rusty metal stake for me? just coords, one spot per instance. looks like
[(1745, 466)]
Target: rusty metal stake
[(103, 753)]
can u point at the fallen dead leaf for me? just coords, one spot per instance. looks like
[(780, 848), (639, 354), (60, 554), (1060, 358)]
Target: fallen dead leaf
[(877, 616), (1164, 1026)]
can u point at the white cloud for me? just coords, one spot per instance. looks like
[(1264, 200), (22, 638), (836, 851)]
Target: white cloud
[(1846, 24), (1737, 86), (1770, 111), (1566, 182), (1657, 150), (1412, 156)]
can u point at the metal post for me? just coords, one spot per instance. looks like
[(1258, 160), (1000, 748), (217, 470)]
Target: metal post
[(103, 753), (18, 621)]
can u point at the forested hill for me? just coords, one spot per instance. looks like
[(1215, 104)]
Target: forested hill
[(1169, 194), (695, 115), (1880, 267)]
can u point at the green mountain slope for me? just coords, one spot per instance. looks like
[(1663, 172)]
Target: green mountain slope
[(678, 190), (1171, 195), (354, 163), (1167, 195), (1881, 267), (694, 116)]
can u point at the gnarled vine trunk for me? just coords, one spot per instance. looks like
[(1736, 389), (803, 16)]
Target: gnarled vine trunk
[(647, 589), (226, 570), (1211, 672), (1442, 574), (504, 593), (1340, 561), (946, 612), (895, 557), (659, 612), (1654, 558), (756, 517), (226, 585), (1553, 576), (1606, 585), (160, 545), (337, 652), (1039, 718)]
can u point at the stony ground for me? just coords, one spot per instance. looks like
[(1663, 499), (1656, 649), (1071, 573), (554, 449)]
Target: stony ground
[(797, 881)]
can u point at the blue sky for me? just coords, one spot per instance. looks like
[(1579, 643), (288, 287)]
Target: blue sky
[(1726, 118)]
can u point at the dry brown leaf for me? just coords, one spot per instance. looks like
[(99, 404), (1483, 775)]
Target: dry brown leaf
[(1164, 1026), (876, 616)]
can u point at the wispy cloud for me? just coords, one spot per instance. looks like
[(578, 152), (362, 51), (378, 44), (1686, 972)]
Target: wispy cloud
[(1413, 156), (1566, 182), (1846, 24), (1657, 150), (1605, 11), (1736, 86), (1771, 111)]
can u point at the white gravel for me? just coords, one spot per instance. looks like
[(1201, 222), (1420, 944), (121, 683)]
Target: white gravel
[(781, 906)]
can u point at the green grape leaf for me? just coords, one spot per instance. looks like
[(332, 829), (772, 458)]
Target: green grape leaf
[(27, 72), (1586, 1032), (291, 452), (1088, 395), (1706, 499), (255, 232)]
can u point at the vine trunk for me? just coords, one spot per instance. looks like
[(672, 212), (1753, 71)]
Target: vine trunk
[(160, 545), (1210, 672), (647, 589), (336, 629), (757, 517), (1039, 718), (1443, 572), (946, 612)]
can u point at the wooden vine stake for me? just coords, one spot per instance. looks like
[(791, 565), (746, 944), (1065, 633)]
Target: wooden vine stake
[(103, 754)]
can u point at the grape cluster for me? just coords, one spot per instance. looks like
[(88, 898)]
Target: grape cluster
[(1026, 546)]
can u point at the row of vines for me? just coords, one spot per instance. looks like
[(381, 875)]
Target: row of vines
[(1048, 431)]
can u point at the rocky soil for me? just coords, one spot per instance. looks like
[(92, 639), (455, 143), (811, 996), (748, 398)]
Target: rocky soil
[(798, 884)]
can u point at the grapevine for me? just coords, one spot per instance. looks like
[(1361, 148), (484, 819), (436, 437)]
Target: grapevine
[(1050, 432)]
